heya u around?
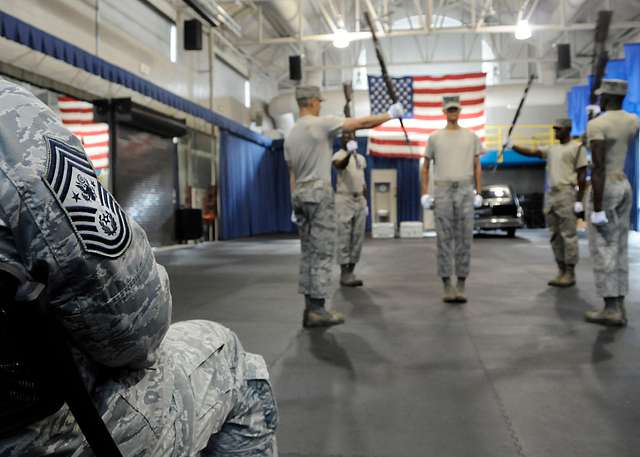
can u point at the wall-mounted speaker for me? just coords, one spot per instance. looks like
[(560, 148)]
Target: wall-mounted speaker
[(295, 68), (564, 56), (193, 35)]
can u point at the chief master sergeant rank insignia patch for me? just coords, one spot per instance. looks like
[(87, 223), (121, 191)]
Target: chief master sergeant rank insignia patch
[(98, 220)]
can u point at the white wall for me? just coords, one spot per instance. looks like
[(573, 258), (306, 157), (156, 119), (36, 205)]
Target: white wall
[(118, 37)]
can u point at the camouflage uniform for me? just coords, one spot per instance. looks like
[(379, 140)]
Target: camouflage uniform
[(308, 153), (183, 390), (608, 243), (351, 209), (454, 214), (314, 207), (563, 162)]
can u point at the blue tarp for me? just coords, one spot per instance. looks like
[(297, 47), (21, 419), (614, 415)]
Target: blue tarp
[(16, 30), (510, 159)]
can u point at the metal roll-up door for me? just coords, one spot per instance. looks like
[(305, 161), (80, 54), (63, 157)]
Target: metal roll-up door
[(146, 176)]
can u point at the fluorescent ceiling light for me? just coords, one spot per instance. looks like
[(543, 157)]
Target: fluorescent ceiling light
[(341, 39), (523, 29), (173, 44)]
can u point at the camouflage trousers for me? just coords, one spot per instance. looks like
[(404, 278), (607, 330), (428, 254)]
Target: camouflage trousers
[(204, 397), (314, 208), (608, 243), (454, 215), (561, 221), (351, 214)]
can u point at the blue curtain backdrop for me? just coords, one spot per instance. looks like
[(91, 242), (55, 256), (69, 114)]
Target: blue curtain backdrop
[(254, 188)]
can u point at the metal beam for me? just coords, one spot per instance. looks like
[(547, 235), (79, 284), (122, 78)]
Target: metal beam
[(497, 29), (432, 62)]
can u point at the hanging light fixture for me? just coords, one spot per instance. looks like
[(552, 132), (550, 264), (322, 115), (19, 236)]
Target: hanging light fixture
[(523, 29), (341, 39)]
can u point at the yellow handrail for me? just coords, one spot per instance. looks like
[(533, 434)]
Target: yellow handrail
[(529, 135)]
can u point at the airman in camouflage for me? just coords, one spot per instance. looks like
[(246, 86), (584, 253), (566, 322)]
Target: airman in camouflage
[(455, 152), (566, 169), (351, 210), (186, 389), (308, 151), (610, 136)]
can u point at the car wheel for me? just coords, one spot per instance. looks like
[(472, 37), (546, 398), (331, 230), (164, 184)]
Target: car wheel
[(511, 232)]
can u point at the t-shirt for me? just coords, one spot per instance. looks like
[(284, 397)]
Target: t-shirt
[(453, 152), (308, 147), (563, 161), (617, 129), (351, 179)]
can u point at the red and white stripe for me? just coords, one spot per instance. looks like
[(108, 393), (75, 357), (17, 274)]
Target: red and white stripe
[(388, 139), (77, 116)]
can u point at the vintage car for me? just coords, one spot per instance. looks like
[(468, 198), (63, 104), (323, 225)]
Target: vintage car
[(500, 210)]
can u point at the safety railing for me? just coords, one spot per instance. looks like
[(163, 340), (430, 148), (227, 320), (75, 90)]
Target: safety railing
[(527, 135)]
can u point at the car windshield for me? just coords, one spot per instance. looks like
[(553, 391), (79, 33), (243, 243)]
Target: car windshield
[(496, 192)]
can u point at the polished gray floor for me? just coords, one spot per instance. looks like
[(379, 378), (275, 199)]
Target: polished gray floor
[(514, 372)]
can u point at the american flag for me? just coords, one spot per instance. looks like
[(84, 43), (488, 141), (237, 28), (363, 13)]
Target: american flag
[(422, 98), (77, 116)]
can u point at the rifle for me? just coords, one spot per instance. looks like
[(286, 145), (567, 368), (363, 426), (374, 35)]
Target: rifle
[(600, 55), (383, 69), (515, 120)]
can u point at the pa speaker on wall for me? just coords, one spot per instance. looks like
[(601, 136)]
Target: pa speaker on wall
[(295, 68), (193, 35), (564, 56)]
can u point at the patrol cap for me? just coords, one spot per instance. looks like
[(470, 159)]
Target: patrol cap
[(450, 101), (305, 92), (562, 123), (612, 87)]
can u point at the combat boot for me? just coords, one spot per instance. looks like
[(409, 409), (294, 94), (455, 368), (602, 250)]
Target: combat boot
[(557, 280), (315, 315), (347, 278), (449, 291), (459, 292), (623, 309), (568, 278), (612, 315)]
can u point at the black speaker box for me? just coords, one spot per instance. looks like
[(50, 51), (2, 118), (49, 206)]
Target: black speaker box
[(564, 56), (193, 35), (188, 224), (295, 68)]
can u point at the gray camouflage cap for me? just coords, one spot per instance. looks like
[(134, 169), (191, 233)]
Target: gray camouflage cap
[(450, 101), (303, 92), (562, 123), (612, 87)]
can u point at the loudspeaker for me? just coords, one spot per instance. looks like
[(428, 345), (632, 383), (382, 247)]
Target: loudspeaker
[(295, 68), (188, 224), (193, 35), (564, 56)]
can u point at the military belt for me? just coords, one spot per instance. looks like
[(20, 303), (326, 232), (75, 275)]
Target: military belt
[(351, 194), (454, 182)]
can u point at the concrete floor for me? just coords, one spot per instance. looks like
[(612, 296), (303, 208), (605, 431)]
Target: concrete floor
[(514, 372)]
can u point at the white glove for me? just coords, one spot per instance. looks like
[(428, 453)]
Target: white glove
[(477, 201), (352, 146), (426, 201), (599, 218), (396, 110), (366, 211), (593, 110), (578, 207), (294, 219)]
